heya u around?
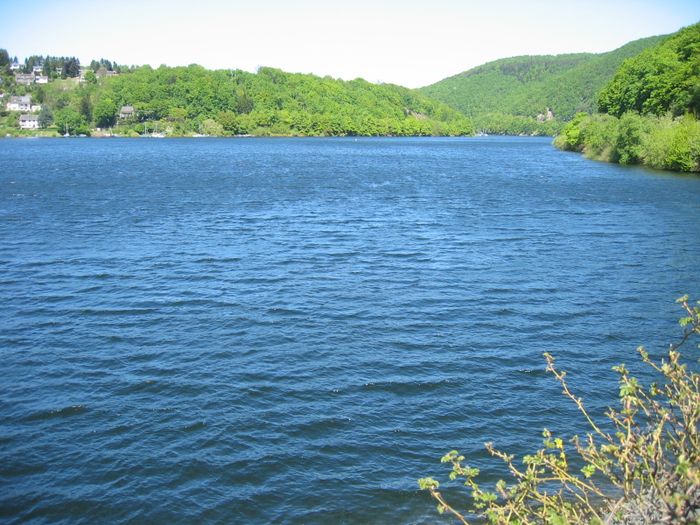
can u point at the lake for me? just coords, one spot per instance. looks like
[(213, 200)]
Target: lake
[(295, 330)]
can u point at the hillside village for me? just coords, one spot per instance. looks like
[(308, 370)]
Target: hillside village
[(22, 85)]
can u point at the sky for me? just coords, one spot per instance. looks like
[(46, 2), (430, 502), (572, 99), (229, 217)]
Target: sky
[(406, 42)]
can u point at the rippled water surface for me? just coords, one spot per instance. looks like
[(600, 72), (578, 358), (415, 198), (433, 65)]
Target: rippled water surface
[(294, 330)]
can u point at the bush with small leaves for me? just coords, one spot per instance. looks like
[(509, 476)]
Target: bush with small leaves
[(646, 471)]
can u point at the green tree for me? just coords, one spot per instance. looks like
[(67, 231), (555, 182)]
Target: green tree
[(661, 79), (244, 104), (45, 117), (630, 136), (85, 107), (229, 121), (105, 113), (71, 68), (69, 121), (212, 127)]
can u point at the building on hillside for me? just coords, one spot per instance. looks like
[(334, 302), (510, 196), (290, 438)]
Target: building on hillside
[(25, 79), (104, 72), (29, 122), (127, 112), (546, 117), (23, 103), (15, 66), (41, 79), (38, 69)]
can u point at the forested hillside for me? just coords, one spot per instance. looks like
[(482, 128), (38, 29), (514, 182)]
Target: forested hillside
[(507, 95), (649, 110), (664, 78), (186, 100)]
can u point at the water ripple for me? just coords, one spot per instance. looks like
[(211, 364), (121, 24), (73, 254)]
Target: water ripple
[(293, 331)]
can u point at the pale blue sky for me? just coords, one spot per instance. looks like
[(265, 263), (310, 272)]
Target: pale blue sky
[(400, 41)]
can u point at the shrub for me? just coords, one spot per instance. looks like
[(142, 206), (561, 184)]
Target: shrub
[(646, 471), (673, 144), (570, 138), (599, 134), (632, 129)]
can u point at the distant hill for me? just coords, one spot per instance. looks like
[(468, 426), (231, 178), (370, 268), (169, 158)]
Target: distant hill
[(512, 92)]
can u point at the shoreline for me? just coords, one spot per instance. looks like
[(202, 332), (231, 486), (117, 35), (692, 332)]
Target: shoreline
[(249, 136)]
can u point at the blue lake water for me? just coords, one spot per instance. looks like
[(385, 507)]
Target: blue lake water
[(295, 330)]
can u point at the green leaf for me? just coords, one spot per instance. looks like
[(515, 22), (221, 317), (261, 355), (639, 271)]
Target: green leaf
[(588, 470), (427, 484)]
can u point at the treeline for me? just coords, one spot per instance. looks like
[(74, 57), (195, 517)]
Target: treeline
[(194, 100), (54, 66), (505, 124), (649, 111), (507, 95)]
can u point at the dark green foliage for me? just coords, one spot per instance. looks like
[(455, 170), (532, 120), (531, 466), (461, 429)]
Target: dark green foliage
[(105, 113), (664, 78), (523, 87), (45, 117), (69, 121), (4, 62), (85, 107), (70, 68)]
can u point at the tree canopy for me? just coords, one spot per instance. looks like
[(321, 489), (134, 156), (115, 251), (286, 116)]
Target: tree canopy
[(664, 78)]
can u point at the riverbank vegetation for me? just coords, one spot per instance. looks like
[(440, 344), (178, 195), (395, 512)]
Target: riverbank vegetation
[(657, 142), (642, 465), (648, 111)]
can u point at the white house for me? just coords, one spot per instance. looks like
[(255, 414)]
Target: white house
[(37, 69), (23, 103), (29, 122), (41, 79), (15, 66)]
